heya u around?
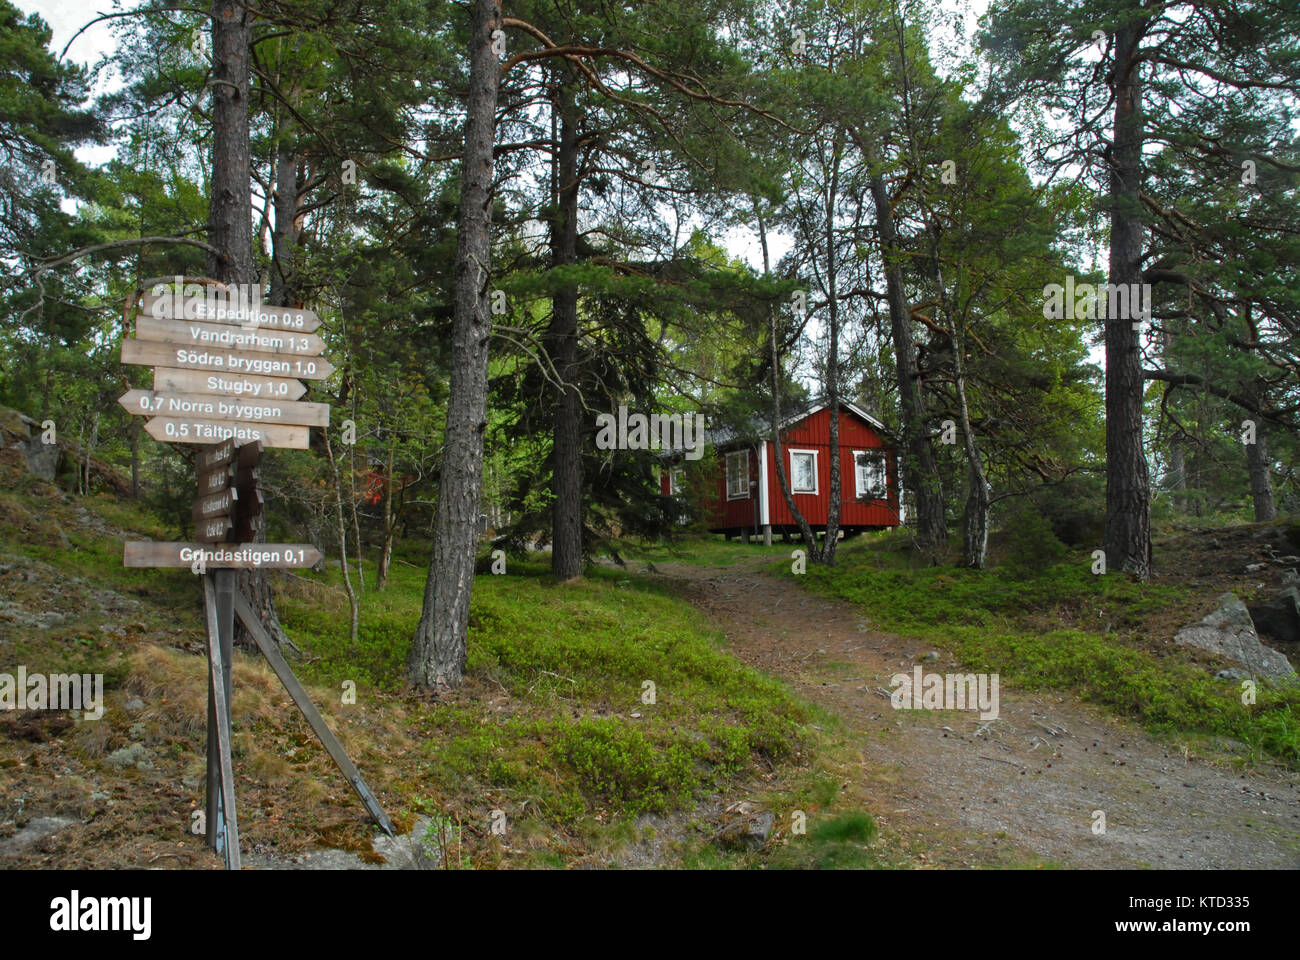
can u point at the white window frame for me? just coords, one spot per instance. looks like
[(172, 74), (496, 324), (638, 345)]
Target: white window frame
[(858, 491), (674, 481), (816, 477), (738, 496)]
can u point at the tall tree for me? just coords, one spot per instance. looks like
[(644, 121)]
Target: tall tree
[(1157, 62), (438, 655)]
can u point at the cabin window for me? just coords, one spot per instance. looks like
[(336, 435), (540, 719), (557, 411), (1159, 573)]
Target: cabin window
[(871, 477), (738, 475), (803, 471), (675, 481)]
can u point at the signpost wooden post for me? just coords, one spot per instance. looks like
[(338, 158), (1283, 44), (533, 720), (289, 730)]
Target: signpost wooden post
[(226, 378)]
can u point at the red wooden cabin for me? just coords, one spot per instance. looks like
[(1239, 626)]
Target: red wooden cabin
[(746, 498)]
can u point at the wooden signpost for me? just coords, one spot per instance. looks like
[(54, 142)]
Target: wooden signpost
[(150, 353), (226, 379), (192, 430), (173, 380), (219, 309), (148, 402)]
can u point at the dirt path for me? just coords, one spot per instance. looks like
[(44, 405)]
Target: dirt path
[(1029, 781)]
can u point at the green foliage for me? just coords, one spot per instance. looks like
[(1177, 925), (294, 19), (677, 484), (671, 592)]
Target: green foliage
[(832, 843), (585, 647), (1028, 539)]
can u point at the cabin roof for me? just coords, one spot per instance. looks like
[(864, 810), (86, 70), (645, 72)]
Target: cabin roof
[(801, 410)]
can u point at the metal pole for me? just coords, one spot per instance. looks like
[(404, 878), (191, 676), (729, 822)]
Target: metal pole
[(223, 832), (214, 832)]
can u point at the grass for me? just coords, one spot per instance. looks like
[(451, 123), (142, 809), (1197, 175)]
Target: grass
[(610, 680), (1059, 627), (700, 550)]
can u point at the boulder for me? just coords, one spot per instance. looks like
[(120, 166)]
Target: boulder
[(43, 459), (1229, 632), (1279, 618), (11, 421), (750, 832)]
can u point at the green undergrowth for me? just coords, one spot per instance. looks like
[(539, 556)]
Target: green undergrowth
[(611, 681), (702, 550), (1060, 627)]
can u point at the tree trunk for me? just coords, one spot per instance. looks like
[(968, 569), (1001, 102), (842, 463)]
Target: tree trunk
[(1178, 475), (390, 523), (230, 221), (438, 653), (814, 552), (1261, 478), (1175, 457), (921, 468), (566, 451), (352, 503), (134, 433), (230, 224), (975, 518), (833, 365), (284, 238), (1128, 495), (343, 539)]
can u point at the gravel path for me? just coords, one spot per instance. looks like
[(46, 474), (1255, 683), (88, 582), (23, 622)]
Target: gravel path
[(1032, 779)]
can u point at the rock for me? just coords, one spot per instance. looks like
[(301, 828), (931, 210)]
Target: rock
[(1279, 619), (36, 830), (134, 705), (1232, 673), (1229, 632), (11, 421), (43, 459), (1256, 567), (749, 833), (932, 656)]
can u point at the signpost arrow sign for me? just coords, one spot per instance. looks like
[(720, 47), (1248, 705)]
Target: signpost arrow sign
[(194, 333), (218, 309), (213, 529), (215, 505), (172, 380), (215, 481), (218, 455), (151, 402), (229, 556), (236, 362), (187, 430)]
